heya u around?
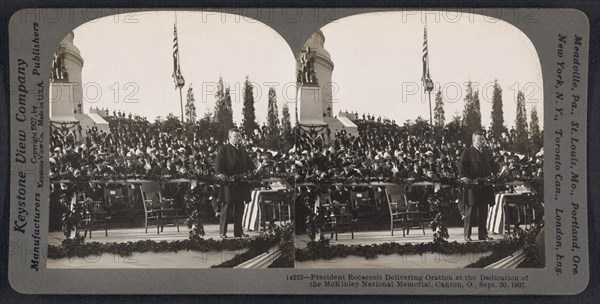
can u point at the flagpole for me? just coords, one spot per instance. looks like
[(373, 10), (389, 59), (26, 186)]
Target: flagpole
[(427, 82), (180, 82), (181, 103), (430, 111)]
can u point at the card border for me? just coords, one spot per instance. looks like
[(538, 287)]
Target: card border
[(592, 141)]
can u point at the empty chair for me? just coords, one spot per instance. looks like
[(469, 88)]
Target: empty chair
[(398, 212), (156, 207), (403, 213)]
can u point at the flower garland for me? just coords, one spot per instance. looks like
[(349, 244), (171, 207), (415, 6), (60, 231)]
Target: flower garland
[(440, 203), (211, 178), (448, 181), (73, 216), (287, 248), (197, 201), (323, 250), (315, 221), (206, 178), (128, 248)]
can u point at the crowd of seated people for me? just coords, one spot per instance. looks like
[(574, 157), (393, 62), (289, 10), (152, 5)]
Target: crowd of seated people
[(384, 150), (135, 147)]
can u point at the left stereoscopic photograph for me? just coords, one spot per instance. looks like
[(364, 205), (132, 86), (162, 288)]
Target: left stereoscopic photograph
[(170, 143)]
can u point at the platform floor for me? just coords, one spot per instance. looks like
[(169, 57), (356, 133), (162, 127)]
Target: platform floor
[(384, 236), (415, 261), (123, 235)]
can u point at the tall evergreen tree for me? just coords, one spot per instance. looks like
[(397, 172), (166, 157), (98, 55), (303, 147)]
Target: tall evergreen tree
[(521, 132), (229, 109), (467, 103), (205, 125), (190, 106), (439, 117), (223, 117), (472, 112), (272, 119), (219, 100), (537, 141), (249, 116), (477, 111), (454, 129), (286, 123), (497, 126)]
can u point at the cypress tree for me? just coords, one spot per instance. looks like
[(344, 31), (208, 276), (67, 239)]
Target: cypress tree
[(521, 132), (249, 116), (439, 118), (497, 126)]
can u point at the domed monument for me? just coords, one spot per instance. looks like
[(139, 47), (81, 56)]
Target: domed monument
[(315, 102), (66, 93)]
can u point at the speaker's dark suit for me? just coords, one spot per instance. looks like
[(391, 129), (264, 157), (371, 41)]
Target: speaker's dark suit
[(477, 164), (230, 161)]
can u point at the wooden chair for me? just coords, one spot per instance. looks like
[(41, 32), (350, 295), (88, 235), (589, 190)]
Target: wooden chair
[(281, 207), (402, 212), (285, 213), (529, 215), (94, 216), (156, 207), (398, 212)]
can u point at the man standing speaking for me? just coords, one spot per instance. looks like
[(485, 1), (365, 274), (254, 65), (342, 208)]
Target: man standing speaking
[(232, 159), (476, 162)]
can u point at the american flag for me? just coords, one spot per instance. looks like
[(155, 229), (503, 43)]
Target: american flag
[(176, 68), (425, 58)]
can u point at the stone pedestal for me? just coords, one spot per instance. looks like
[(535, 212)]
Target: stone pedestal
[(62, 101), (310, 111)]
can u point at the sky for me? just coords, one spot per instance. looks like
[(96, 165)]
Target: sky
[(378, 65), (135, 59), (377, 58)]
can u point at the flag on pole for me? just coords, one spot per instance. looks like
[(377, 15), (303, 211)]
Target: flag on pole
[(176, 67), (427, 82), (425, 58)]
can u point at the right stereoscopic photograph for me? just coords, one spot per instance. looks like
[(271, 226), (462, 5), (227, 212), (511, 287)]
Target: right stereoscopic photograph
[(419, 144)]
